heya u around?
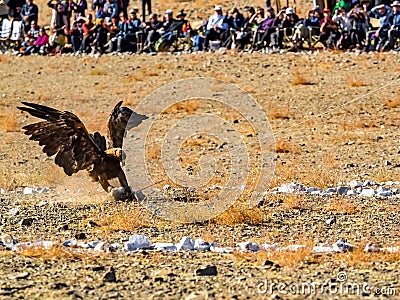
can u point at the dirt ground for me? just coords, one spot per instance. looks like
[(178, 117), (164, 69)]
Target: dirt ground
[(335, 118)]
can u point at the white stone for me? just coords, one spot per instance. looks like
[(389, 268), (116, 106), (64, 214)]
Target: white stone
[(214, 248), (70, 243), (166, 187), (164, 246), (342, 246), (269, 247), (369, 183), (42, 190), (371, 247), (186, 243), (313, 189), (2, 191), (367, 193), (324, 248), (138, 241), (331, 191), (101, 246), (355, 184), (342, 190), (43, 244), (248, 246), (384, 194), (27, 191), (201, 245), (352, 193), (392, 249), (83, 245), (383, 189), (293, 248)]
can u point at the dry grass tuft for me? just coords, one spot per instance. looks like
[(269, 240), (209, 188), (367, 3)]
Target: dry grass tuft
[(186, 106), (283, 146), (299, 79), (279, 112), (54, 253), (124, 218), (355, 82), (10, 122), (97, 72), (343, 205), (282, 258), (240, 213), (358, 256), (292, 201), (392, 103)]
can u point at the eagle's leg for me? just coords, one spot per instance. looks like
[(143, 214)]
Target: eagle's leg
[(124, 183), (105, 184)]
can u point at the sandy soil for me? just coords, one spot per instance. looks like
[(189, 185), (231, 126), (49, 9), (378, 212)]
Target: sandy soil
[(335, 118)]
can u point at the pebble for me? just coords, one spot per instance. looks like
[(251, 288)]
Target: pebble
[(207, 271), (138, 241), (248, 246), (13, 211), (26, 222), (110, 276), (367, 193)]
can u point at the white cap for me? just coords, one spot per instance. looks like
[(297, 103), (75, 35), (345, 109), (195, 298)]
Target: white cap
[(289, 11), (168, 12), (217, 7)]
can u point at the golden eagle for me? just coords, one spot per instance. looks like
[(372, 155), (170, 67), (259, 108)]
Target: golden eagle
[(63, 134)]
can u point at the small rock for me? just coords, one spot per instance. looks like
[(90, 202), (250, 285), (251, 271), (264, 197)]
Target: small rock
[(248, 246), (80, 236), (6, 240), (26, 222), (22, 275), (95, 268), (93, 224), (342, 190), (330, 221), (355, 184), (342, 246), (164, 246), (352, 193), (186, 243), (110, 276), (70, 243), (2, 191), (207, 271), (367, 193), (371, 247), (27, 191), (201, 245), (13, 211), (138, 241)]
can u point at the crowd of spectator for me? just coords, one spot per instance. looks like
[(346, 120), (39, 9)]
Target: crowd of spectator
[(111, 27)]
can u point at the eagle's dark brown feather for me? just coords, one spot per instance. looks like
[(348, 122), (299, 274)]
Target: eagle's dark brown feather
[(121, 119), (64, 135)]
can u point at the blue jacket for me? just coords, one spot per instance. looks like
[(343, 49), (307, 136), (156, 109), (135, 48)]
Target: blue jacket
[(384, 19)]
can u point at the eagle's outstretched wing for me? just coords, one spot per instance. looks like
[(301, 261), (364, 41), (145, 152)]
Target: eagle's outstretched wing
[(64, 135), (122, 118)]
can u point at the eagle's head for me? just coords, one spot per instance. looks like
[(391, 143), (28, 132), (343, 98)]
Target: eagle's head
[(117, 153)]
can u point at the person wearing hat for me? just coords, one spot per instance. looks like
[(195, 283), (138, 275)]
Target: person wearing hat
[(185, 28), (217, 25), (144, 4), (394, 31), (168, 19)]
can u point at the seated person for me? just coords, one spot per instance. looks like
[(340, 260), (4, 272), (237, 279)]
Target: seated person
[(39, 45), (307, 28), (152, 33), (329, 30), (88, 29), (76, 36), (268, 30), (216, 27), (100, 36), (31, 35), (235, 23)]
